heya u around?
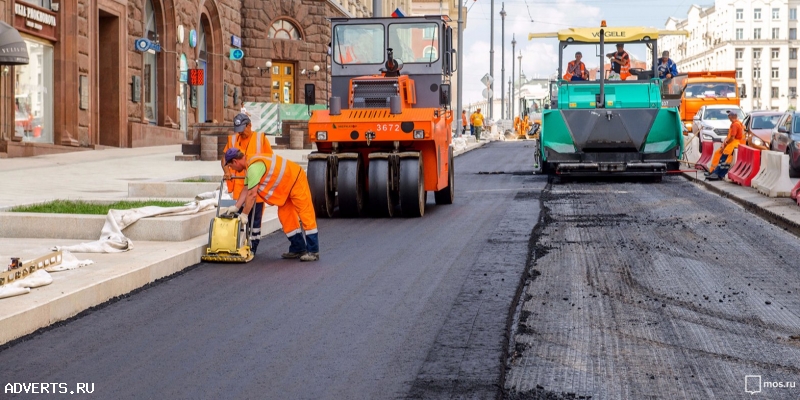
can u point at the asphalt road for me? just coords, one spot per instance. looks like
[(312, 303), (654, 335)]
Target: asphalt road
[(656, 291), (395, 308)]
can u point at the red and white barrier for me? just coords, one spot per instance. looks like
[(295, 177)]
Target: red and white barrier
[(747, 166), (705, 156), (796, 193), (773, 178)]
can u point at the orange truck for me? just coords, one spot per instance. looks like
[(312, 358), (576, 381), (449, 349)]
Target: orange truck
[(692, 90), (384, 141)]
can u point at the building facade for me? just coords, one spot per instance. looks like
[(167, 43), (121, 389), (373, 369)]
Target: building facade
[(756, 39), (90, 84)]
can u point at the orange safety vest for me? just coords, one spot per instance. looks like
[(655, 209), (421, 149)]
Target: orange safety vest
[(571, 69), (278, 181), (259, 144), (625, 69)]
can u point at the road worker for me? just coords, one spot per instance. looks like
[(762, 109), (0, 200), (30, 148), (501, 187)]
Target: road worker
[(576, 69), (667, 69), (282, 183), (477, 121), (251, 144), (720, 162), (620, 62), (463, 122)]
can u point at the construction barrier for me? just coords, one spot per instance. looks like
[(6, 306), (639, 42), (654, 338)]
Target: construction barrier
[(705, 156), (691, 150), (773, 178), (796, 193), (748, 163), (732, 163)]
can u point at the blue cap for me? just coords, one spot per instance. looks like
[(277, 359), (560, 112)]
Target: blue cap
[(231, 154), (240, 121)]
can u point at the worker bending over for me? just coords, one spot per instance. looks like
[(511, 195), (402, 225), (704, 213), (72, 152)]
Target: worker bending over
[(721, 161), (282, 183), (250, 143)]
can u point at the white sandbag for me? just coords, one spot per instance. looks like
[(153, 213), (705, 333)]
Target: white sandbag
[(24, 285)]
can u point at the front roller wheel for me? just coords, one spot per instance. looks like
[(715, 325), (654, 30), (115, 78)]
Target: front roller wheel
[(447, 194), (352, 179), (381, 198), (412, 187), (320, 181)]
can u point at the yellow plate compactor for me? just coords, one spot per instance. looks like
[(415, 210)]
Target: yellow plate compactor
[(228, 241)]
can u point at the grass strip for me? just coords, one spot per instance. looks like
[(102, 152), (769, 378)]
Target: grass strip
[(83, 207)]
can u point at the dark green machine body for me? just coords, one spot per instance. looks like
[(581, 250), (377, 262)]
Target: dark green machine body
[(631, 134)]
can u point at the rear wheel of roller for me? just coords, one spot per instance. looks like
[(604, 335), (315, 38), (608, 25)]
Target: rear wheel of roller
[(412, 187), (352, 179), (320, 181), (381, 198)]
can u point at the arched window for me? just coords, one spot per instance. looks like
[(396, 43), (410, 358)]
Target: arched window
[(283, 29)]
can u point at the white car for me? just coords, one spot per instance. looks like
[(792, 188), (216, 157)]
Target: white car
[(711, 123)]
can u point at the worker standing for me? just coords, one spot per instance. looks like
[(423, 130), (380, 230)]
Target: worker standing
[(620, 62), (251, 144), (463, 122), (732, 141), (667, 68), (282, 183), (477, 121)]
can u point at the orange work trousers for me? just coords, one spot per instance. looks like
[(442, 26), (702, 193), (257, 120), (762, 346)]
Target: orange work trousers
[(298, 209), (727, 150)]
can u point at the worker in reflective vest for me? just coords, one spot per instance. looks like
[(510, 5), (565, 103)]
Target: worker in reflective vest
[(282, 183), (251, 144), (620, 62)]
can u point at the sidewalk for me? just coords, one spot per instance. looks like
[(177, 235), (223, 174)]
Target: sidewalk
[(100, 175)]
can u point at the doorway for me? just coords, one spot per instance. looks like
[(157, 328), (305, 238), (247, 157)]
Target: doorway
[(108, 80), (283, 82)]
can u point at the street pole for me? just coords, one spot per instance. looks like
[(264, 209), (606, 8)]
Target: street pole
[(511, 96), (520, 74), (376, 8), (491, 61), (503, 60), (460, 82)]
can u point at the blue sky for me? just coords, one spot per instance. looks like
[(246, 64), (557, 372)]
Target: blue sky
[(541, 56)]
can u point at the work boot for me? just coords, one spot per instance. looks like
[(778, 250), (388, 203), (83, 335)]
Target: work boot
[(713, 177), (291, 255), (310, 257)]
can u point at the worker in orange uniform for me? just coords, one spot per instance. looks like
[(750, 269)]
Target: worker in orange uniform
[(720, 162), (282, 183), (620, 62), (576, 69), (251, 144), (463, 122)]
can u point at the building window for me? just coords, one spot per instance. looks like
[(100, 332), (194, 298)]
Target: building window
[(33, 94), (776, 13), (792, 33), (774, 93), (776, 32), (41, 3), (793, 92), (756, 54), (150, 73), (757, 92), (775, 73), (739, 14), (776, 52), (793, 54), (738, 53), (793, 73), (283, 29), (756, 33), (739, 73), (756, 72), (757, 14), (739, 34), (793, 14)]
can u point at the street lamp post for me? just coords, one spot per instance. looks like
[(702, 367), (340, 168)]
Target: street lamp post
[(511, 96), (503, 60), (491, 61), (520, 73)]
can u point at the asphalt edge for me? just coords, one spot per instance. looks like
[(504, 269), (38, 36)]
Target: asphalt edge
[(85, 300), (771, 217)]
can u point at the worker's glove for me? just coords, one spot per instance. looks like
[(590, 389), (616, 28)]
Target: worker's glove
[(243, 219), (228, 210)]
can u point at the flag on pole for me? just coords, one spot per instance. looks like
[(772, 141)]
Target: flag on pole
[(397, 13)]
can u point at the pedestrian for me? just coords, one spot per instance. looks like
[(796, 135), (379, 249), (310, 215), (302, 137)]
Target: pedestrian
[(667, 68), (463, 122), (477, 122), (620, 62), (282, 183), (576, 69), (251, 144), (719, 164)]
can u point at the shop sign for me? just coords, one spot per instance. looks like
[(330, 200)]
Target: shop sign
[(236, 41), (196, 77), (192, 38), (35, 20)]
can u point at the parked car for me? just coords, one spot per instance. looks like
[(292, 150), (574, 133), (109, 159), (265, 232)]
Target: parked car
[(711, 123), (786, 139), (758, 127)]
